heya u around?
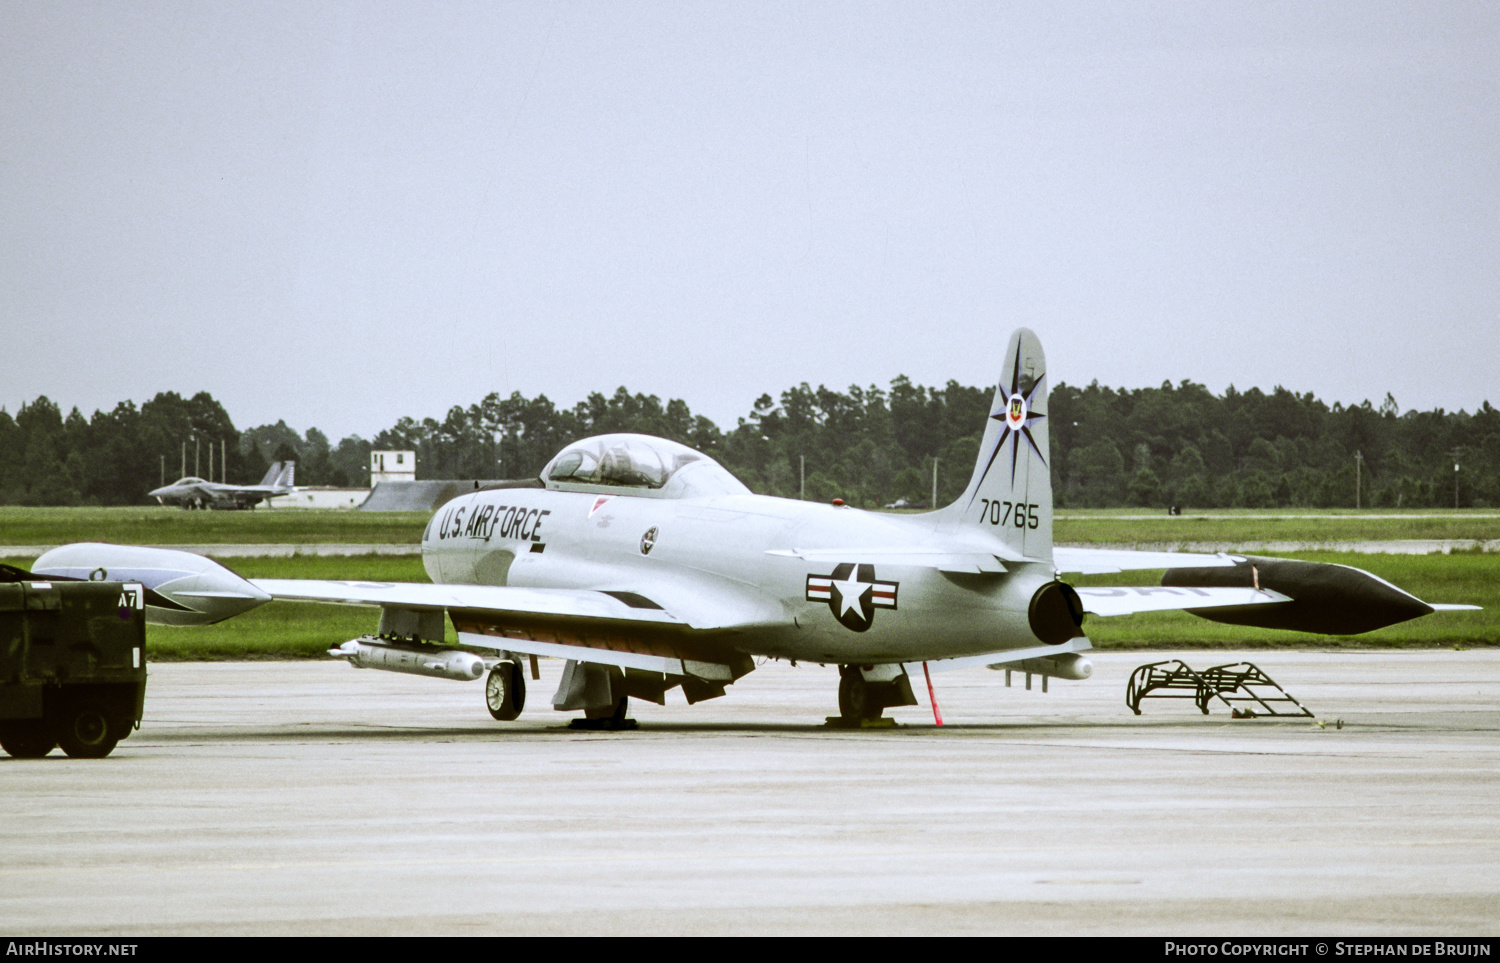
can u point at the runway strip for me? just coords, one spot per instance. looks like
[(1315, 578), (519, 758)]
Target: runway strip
[(314, 798)]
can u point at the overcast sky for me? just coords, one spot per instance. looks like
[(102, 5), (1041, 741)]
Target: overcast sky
[(338, 214)]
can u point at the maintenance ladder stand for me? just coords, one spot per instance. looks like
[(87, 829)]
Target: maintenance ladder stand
[(1240, 682)]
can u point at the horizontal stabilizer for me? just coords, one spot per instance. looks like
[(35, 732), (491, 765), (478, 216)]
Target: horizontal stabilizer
[(1103, 561), (964, 563)]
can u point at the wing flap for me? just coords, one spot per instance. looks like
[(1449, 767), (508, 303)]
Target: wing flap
[(667, 664)]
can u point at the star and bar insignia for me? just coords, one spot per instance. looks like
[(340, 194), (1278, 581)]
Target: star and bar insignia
[(853, 593)]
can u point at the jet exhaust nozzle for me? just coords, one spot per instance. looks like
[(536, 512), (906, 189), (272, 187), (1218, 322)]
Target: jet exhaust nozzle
[(1056, 613), (369, 652)]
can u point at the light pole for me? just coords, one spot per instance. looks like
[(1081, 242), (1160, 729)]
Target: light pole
[(1359, 464), (1454, 455)]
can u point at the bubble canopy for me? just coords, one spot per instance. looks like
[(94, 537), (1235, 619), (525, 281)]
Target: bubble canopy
[(638, 465)]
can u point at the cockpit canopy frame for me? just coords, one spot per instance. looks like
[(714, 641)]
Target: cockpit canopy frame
[(643, 465)]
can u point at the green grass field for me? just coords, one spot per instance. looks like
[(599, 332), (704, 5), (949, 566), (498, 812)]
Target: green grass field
[(173, 526), (1137, 526), (290, 630), (148, 525)]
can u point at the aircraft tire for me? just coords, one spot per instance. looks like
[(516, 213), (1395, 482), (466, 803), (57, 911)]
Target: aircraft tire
[(855, 696), (505, 691), (86, 731), (27, 738)]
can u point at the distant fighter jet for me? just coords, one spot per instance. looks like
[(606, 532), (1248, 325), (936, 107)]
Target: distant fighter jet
[(649, 567), (193, 492)]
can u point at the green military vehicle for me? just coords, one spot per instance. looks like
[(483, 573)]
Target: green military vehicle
[(72, 664)]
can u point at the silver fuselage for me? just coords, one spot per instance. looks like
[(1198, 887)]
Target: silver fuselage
[(710, 562)]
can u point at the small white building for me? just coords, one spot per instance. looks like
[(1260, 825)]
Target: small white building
[(392, 466)]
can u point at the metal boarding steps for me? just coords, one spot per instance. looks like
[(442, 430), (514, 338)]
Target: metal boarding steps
[(1242, 686)]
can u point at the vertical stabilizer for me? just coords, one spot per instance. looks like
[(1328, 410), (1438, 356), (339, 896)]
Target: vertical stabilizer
[(271, 474), (284, 479), (1010, 493)]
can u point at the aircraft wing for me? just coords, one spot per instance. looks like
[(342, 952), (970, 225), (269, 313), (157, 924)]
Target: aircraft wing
[(624, 629), (1271, 593), (687, 635), (420, 596), (1131, 600)]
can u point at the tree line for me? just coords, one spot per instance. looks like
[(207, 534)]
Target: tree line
[(1149, 447)]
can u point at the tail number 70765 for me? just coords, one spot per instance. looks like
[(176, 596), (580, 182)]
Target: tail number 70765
[(1015, 514)]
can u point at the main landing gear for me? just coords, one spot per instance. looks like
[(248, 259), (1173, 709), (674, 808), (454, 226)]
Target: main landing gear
[(865, 692), (505, 691), (608, 718), (592, 688)]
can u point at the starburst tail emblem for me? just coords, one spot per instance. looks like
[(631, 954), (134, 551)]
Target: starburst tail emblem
[(1016, 416), (853, 593)]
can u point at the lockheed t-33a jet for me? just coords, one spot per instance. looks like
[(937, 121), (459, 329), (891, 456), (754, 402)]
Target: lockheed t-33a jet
[(647, 567)]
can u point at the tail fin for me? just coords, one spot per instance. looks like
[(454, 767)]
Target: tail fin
[(1010, 493), (271, 474), (285, 478)]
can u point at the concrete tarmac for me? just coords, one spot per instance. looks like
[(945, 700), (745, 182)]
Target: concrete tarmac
[(311, 798)]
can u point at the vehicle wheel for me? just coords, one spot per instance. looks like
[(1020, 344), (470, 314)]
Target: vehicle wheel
[(505, 691), (27, 738), (85, 732), (854, 695)]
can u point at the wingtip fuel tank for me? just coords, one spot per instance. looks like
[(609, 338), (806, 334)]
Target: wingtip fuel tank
[(1325, 598), (181, 588)]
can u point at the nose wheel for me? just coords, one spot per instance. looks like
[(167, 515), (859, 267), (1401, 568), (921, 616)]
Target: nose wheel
[(505, 691)]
